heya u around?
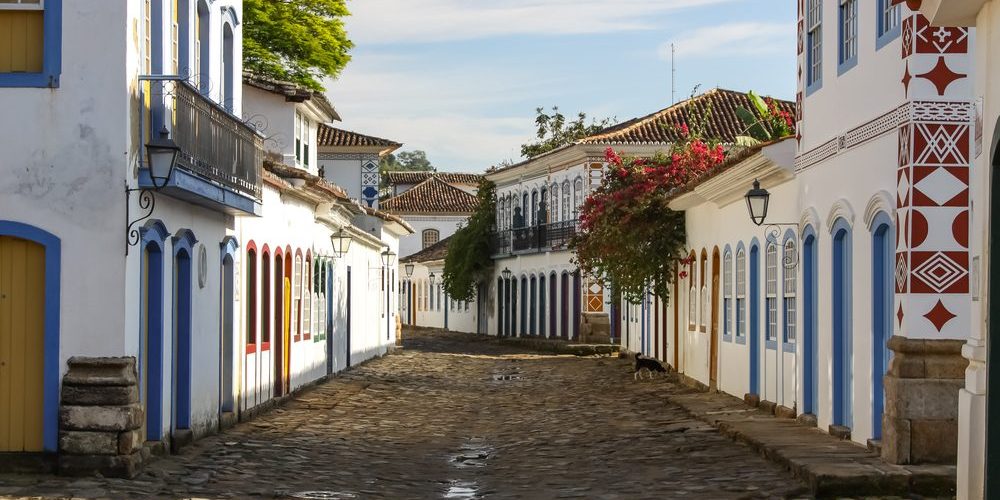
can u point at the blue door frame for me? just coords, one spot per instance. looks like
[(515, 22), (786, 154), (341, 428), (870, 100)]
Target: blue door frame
[(754, 318), (841, 294), (347, 337), (329, 318), (52, 311), (151, 376), (810, 353), (183, 244), (882, 300)]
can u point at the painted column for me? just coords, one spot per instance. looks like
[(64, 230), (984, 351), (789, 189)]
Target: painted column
[(932, 305)]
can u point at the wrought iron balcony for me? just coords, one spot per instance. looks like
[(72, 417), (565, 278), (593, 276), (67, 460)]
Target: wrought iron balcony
[(221, 158), (534, 239)]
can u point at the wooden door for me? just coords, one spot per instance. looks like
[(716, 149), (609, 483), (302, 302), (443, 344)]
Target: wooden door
[(286, 335), (22, 335), (279, 326), (713, 368)]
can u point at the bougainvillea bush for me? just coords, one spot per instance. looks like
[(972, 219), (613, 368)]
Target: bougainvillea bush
[(628, 235)]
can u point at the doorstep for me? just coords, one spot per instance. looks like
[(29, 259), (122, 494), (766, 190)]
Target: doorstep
[(559, 346), (830, 466)]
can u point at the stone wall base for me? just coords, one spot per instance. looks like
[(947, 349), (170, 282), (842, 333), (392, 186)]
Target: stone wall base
[(100, 418), (595, 328), (920, 424)]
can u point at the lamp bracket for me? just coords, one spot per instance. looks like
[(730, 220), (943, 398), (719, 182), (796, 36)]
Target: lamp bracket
[(772, 232), (147, 202)]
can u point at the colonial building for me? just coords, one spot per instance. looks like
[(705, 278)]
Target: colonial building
[(434, 207), (425, 302), (350, 159), (136, 212), (848, 306), (979, 443), (399, 182), (538, 204)]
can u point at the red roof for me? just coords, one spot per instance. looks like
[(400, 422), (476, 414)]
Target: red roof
[(332, 136), (431, 196)]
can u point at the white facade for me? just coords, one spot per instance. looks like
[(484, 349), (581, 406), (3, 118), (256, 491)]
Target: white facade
[(429, 228), (428, 305)]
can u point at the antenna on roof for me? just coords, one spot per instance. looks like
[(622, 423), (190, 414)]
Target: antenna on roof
[(673, 77)]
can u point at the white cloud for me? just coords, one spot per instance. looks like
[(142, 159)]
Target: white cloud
[(734, 39), (415, 21)]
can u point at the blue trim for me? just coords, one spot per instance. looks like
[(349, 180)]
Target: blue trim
[(51, 56), (841, 329), (542, 297), (813, 85), (845, 65), (52, 309), (153, 234), (754, 307), (183, 324), (882, 303), (727, 309), (771, 345), (788, 347), (228, 246), (230, 15), (810, 292), (882, 38), (739, 334)]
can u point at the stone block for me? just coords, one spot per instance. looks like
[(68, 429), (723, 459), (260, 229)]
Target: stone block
[(100, 371), (100, 418), (933, 441), (767, 406), (597, 318), (840, 431), (179, 439), (130, 442), (751, 399), (88, 443), (100, 395), (121, 466), (922, 398), (781, 411), (808, 419), (895, 440)]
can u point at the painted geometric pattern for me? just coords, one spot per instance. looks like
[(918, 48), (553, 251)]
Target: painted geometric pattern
[(369, 182), (594, 296), (939, 39)]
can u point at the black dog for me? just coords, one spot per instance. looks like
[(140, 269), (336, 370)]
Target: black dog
[(649, 364)]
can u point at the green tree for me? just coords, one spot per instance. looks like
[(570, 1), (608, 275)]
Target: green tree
[(468, 262), (298, 41), (554, 131)]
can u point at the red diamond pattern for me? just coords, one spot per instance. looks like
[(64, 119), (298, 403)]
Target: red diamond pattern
[(939, 315)]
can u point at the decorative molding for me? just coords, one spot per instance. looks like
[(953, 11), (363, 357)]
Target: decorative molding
[(909, 112), (882, 201), (841, 209), (347, 156)]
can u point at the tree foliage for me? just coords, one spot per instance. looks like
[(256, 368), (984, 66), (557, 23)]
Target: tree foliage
[(468, 262), (554, 131), (766, 122), (407, 161), (628, 234), (299, 41)]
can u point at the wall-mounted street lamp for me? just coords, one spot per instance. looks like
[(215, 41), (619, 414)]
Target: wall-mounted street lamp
[(757, 202), (161, 159), (409, 270), (431, 278), (341, 243), (506, 274), (388, 257)]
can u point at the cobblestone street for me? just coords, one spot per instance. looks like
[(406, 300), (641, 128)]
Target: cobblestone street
[(457, 416)]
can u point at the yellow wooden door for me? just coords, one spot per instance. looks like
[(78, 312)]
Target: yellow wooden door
[(22, 335)]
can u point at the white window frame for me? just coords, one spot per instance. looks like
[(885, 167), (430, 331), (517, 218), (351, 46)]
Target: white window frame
[(814, 42), (789, 293), (23, 5), (741, 293), (727, 294), (771, 291), (847, 38)]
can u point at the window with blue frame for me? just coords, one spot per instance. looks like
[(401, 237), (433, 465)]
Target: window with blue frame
[(889, 20), (30, 48), (741, 293), (848, 40), (771, 292), (727, 295), (788, 293), (814, 53)]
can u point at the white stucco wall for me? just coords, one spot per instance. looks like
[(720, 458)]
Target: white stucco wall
[(445, 224)]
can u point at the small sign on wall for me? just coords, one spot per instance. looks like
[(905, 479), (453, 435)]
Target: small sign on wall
[(978, 127)]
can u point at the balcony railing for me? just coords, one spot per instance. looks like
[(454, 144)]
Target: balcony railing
[(534, 239), (214, 144)]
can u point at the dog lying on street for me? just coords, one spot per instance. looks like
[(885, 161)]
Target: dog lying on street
[(650, 365)]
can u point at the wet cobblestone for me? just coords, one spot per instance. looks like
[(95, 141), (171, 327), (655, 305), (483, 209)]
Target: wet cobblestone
[(457, 416)]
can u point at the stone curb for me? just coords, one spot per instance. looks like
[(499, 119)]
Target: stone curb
[(830, 467)]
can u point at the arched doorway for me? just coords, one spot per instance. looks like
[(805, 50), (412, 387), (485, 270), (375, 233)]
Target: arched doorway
[(841, 317), (228, 330), (810, 348), (713, 365), (183, 242), (882, 301), (754, 329), (279, 322)]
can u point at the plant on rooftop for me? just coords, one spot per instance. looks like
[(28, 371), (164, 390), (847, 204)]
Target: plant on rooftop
[(555, 131), (767, 122), (468, 261), (628, 235), (298, 41)]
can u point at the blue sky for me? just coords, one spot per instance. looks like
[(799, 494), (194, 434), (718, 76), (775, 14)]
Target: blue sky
[(461, 79)]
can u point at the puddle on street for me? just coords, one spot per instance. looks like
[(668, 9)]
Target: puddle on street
[(462, 489), (323, 495)]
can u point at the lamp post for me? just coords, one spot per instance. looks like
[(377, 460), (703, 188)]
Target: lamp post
[(409, 270), (506, 274), (388, 257), (161, 159), (431, 279), (757, 201)]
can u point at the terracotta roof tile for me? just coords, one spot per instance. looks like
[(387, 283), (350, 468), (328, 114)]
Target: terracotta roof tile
[(331, 136), (291, 91), (431, 196), (659, 127), (416, 177)]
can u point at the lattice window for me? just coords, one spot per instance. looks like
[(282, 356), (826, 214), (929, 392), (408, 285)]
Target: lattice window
[(741, 293), (727, 294), (789, 292), (814, 27), (771, 290), (848, 30)]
